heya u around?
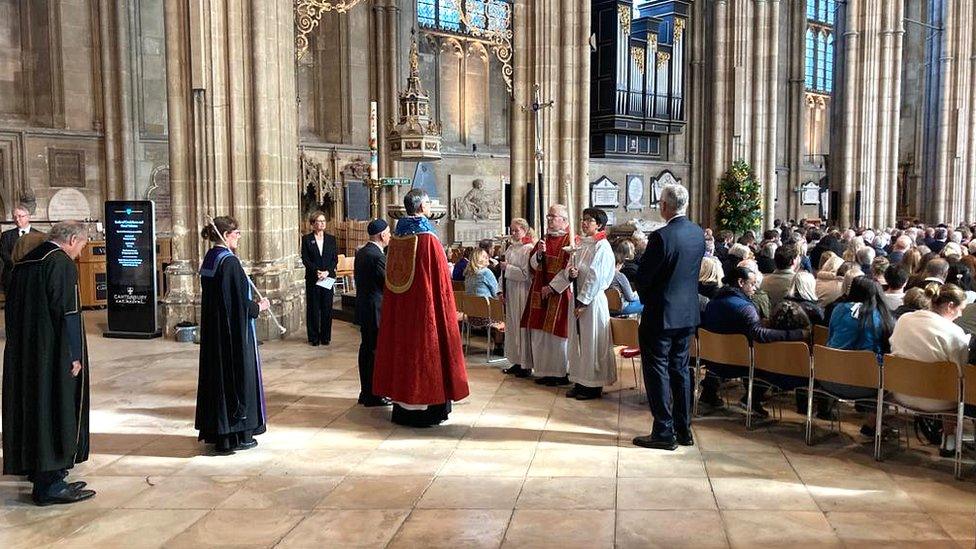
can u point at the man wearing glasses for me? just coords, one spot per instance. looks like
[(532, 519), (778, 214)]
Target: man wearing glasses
[(9, 239), (320, 256)]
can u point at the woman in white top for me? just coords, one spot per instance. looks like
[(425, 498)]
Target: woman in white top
[(932, 336), (592, 364), (517, 281), (828, 283)]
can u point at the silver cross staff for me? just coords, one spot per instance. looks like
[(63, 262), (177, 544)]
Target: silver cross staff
[(536, 108)]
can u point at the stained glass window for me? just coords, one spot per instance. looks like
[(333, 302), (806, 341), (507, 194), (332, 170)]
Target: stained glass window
[(819, 41), (829, 65), (810, 59), (444, 15), (821, 10)]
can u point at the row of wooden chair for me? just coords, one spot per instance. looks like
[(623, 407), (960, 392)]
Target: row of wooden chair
[(943, 381)]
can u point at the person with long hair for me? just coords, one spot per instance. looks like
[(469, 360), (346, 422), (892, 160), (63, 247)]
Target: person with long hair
[(803, 292), (230, 395), (517, 281)]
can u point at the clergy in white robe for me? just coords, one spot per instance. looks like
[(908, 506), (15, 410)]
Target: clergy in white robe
[(592, 364), (517, 282)]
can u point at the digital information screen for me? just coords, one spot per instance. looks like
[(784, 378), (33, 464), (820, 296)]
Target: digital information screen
[(130, 255)]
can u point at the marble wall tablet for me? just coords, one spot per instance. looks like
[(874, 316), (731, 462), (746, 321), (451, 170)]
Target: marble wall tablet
[(68, 204)]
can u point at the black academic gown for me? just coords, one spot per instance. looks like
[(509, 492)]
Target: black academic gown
[(230, 394), (45, 408)]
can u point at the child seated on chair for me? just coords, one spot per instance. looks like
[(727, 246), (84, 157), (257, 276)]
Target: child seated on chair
[(630, 299)]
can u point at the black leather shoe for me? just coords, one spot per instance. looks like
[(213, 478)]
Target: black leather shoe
[(575, 392), (523, 373), (376, 402), (77, 485), (543, 381), (650, 441), (313, 343), (513, 370), (559, 381), (685, 440), (65, 496), (590, 393), (246, 445)]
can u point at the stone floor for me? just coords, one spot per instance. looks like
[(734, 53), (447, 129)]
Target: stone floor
[(516, 466)]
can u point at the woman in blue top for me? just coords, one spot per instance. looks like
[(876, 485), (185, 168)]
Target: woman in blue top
[(479, 281), (862, 322)]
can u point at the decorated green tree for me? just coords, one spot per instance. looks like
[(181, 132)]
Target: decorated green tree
[(739, 199)]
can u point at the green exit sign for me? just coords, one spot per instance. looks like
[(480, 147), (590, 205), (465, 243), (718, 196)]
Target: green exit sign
[(394, 181)]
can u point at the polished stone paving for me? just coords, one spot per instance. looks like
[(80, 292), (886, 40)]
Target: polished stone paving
[(517, 465)]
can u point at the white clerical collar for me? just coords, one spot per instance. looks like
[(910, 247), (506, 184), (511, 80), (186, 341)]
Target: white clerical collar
[(25, 230), (555, 233)]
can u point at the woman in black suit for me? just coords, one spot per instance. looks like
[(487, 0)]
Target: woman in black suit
[(320, 257)]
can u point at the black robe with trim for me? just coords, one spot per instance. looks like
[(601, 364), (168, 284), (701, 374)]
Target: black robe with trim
[(45, 408), (230, 394)]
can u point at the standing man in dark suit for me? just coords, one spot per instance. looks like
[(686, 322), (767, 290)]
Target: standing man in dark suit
[(370, 274), (10, 237), (321, 257), (669, 291)]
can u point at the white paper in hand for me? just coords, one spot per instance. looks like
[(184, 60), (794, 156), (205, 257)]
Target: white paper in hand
[(327, 282)]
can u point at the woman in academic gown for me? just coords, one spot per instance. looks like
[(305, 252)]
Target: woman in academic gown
[(518, 282), (591, 362), (230, 395)]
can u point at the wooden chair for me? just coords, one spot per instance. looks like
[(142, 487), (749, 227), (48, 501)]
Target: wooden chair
[(345, 268), (791, 358), (614, 302), (854, 368), (477, 307), (820, 334), (624, 333), (933, 380), (732, 349), (458, 285), (968, 398)]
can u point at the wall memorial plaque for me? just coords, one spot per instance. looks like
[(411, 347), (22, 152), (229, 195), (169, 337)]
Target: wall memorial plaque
[(604, 193), (68, 204), (66, 168), (357, 200), (810, 192), (130, 255), (635, 192)]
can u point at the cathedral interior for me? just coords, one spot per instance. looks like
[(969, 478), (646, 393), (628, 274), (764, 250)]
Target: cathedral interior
[(858, 112)]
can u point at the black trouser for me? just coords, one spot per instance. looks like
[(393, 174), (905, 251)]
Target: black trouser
[(664, 361), (367, 355), (48, 483), (318, 313)]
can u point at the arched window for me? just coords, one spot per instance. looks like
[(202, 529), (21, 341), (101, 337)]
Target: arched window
[(811, 61), (829, 65), (445, 15)]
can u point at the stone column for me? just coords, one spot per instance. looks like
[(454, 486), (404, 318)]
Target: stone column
[(520, 160), (233, 146)]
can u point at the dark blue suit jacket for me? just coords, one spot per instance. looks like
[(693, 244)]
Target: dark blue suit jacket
[(668, 276)]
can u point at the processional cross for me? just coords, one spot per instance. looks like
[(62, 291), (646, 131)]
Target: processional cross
[(537, 107)]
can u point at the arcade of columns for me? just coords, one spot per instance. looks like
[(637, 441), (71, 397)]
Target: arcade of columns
[(233, 137)]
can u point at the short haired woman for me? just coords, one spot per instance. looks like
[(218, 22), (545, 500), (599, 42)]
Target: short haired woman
[(320, 256), (230, 394)]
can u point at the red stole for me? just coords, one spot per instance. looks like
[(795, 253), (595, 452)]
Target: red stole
[(550, 315)]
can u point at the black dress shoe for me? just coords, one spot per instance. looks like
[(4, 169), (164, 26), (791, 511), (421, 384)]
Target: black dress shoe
[(313, 343), (575, 392), (513, 370), (77, 485), (560, 381), (523, 373), (685, 440), (651, 441), (543, 381), (589, 393), (326, 342), (376, 402), (65, 496)]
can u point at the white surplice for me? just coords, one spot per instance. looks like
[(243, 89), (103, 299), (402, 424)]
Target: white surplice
[(548, 352), (591, 360), (518, 282)]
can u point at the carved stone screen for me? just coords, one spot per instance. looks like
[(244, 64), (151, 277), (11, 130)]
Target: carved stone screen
[(477, 208), (66, 167)]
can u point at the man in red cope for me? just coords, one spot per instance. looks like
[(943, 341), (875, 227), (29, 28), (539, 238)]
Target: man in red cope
[(546, 314), (419, 362)]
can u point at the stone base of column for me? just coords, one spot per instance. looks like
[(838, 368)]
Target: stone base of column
[(281, 282), (182, 300)]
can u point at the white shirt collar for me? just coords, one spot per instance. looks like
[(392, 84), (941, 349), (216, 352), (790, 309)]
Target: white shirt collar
[(25, 230), (676, 217)]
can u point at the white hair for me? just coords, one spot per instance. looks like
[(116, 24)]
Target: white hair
[(676, 197)]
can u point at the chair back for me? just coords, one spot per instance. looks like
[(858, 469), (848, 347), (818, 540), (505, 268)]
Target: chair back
[(820, 334), (477, 306), (732, 349), (857, 368), (460, 300), (935, 380), (693, 346), (790, 358), (497, 309), (624, 331), (458, 285), (969, 384), (614, 302)]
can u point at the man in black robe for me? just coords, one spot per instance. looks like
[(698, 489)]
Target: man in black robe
[(45, 369), (370, 273)]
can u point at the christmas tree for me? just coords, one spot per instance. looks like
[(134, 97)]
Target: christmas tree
[(739, 199)]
